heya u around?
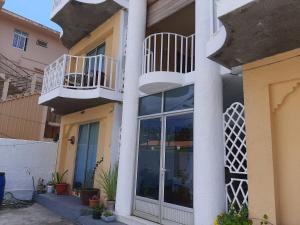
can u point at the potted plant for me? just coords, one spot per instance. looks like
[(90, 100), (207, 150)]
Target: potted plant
[(97, 212), (108, 217), (41, 187), (109, 184), (50, 187), (87, 193), (94, 201), (60, 186)]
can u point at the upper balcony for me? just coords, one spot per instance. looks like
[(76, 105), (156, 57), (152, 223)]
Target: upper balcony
[(74, 83), (168, 62), (253, 30), (78, 18)]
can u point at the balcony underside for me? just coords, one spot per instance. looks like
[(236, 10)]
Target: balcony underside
[(257, 30), (65, 101), (78, 19)]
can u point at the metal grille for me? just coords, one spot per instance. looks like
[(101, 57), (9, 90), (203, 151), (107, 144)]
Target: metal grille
[(235, 156)]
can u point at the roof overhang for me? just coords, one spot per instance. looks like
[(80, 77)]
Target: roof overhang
[(257, 29), (78, 18)]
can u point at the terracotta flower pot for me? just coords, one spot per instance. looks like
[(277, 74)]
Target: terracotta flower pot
[(93, 203), (87, 194), (61, 189)]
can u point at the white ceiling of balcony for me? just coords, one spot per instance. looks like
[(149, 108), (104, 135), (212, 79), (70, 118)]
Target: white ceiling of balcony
[(78, 19)]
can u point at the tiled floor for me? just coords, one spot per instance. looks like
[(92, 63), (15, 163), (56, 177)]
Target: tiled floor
[(33, 215), (70, 208)]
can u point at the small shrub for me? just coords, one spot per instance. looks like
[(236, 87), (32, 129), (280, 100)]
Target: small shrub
[(108, 213), (234, 217), (239, 217)]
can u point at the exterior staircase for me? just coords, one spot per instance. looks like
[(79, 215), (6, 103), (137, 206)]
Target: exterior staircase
[(20, 81)]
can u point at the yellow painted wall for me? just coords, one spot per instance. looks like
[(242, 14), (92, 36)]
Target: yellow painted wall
[(272, 102), (108, 32), (70, 127)]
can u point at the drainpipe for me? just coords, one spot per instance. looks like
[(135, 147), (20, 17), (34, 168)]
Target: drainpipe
[(136, 35), (209, 175)]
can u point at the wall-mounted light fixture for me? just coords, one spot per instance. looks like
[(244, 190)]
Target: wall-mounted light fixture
[(72, 140)]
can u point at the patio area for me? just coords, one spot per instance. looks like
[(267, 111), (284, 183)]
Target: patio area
[(69, 208), (33, 215)]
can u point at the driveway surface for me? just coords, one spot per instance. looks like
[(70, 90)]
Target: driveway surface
[(33, 215)]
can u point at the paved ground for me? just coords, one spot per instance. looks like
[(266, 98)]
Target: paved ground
[(34, 215)]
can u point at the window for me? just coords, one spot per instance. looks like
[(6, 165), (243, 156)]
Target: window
[(20, 40), (41, 43), (90, 62), (176, 99)]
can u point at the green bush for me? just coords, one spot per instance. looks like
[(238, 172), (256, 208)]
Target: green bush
[(234, 217), (239, 217)]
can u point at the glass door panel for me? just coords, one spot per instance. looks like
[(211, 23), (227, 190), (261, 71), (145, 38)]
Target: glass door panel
[(86, 156), (178, 178), (148, 170)]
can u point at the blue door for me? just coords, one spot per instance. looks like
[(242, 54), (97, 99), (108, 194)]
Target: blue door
[(86, 155)]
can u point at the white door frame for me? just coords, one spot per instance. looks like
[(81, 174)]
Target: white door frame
[(160, 204)]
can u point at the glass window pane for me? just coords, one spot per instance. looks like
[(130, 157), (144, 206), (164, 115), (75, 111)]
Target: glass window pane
[(148, 173), (180, 98), (150, 104), (178, 188)]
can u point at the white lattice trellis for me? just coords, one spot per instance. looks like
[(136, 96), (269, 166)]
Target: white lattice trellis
[(236, 155)]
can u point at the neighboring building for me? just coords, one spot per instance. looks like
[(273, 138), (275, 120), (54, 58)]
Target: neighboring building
[(183, 153), (26, 47)]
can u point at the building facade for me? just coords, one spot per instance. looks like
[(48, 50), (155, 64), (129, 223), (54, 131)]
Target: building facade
[(26, 47), (187, 68), (85, 88)]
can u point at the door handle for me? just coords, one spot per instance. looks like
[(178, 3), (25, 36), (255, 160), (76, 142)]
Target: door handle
[(163, 170)]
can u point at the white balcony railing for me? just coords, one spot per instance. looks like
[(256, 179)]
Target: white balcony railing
[(82, 73), (168, 52)]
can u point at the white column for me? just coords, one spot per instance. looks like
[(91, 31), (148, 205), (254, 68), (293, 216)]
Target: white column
[(209, 178), (135, 37)]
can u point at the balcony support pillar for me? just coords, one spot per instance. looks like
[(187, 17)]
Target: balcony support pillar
[(136, 35), (209, 175), (5, 87)]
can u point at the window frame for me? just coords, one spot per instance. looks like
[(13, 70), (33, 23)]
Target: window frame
[(19, 35), (162, 109)]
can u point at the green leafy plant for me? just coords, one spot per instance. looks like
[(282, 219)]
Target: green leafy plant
[(107, 213), (109, 183), (239, 217), (57, 178), (99, 209), (234, 217)]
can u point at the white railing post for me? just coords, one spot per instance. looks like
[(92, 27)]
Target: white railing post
[(63, 70), (161, 52), (81, 72)]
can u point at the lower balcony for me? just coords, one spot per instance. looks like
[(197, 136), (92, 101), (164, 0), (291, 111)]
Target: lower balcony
[(168, 62), (74, 83)]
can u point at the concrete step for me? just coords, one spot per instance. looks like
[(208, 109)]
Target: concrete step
[(69, 207)]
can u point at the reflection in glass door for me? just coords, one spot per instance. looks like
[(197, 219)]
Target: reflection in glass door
[(178, 168), (164, 186), (148, 172)]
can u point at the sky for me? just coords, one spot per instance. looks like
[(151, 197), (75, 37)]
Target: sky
[(36, 10)]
